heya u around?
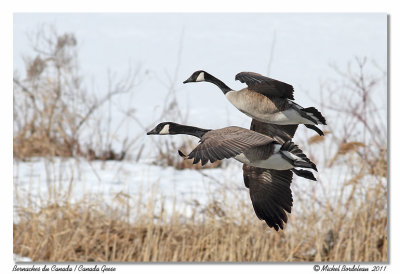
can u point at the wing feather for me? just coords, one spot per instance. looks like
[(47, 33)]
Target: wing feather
[(270, 194), (226, 143), (265, 85)]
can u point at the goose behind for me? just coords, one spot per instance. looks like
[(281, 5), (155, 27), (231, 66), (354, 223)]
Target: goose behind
[(265, 99)]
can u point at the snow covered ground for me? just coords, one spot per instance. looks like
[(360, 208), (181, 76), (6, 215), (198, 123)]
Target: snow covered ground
[(18, 258), (45, 181), (41, 182)]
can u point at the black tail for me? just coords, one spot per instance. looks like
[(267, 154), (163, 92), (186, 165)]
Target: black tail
[(315, 114), (304, 173), (316, 129), (291, 147)]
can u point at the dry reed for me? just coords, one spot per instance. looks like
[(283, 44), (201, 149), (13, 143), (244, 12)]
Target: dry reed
[(347, 230)]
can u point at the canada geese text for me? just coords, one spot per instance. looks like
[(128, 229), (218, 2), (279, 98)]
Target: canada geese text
[(268, 165), (265, 99)]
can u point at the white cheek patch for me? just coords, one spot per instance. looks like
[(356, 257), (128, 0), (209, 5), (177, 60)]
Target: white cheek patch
[(200, 77), (165, 130)]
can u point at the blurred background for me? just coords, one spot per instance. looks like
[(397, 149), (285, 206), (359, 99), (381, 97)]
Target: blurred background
[(90, 185)]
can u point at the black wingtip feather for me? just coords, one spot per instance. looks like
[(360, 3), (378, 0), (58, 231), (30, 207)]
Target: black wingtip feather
[(316, 114), (195, 161), (270, 194), (304, 173), (294, 149), (314, 166), (320, 132)]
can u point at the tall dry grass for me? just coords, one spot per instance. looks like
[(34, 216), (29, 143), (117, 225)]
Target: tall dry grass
[(223, 231)]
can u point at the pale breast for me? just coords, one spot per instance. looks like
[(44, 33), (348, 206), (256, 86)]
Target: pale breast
[(275, 161), (264, 109), (253, 102)]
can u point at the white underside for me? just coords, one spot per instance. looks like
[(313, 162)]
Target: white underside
[(275, 161), (287, 117)]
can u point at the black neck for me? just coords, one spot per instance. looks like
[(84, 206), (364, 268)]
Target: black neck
[(182, 129), (209, 78)]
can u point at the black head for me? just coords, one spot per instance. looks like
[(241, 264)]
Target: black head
[(170, 128), (197, 76), (163, 129)]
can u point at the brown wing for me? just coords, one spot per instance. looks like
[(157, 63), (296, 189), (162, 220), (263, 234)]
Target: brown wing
[(270, 194), (226, 143), (270, 189), (281, 133), (265, 85)]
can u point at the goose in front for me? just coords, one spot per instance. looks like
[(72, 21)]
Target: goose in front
[(265, 99), (268, 164)]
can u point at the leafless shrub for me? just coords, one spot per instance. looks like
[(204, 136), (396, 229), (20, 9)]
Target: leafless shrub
[(52, 105), (167, 148), (355, 150), (356, 106)]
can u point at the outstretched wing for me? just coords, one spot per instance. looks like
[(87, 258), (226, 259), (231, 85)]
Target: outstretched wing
[(270, 194), (226, 143), (265, 85), (270, 189)]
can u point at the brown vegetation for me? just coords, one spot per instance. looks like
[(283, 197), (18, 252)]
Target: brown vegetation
[(346, 231), (168, 155), (52, 105)]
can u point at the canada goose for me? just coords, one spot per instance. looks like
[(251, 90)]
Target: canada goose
[(267, 168), (265, 99), (246, 146)]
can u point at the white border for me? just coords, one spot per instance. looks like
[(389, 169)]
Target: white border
[(6, 25)]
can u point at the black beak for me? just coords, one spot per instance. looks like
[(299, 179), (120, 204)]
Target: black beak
[(187, 81), (151, 132)]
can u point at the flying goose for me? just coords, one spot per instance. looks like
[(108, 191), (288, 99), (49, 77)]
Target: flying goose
[(267, 169), (265, 99), (246, 146)]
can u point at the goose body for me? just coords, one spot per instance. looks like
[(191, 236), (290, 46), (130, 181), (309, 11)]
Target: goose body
[(268, 163), (272, 110), (265, 99), (246, 146)]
